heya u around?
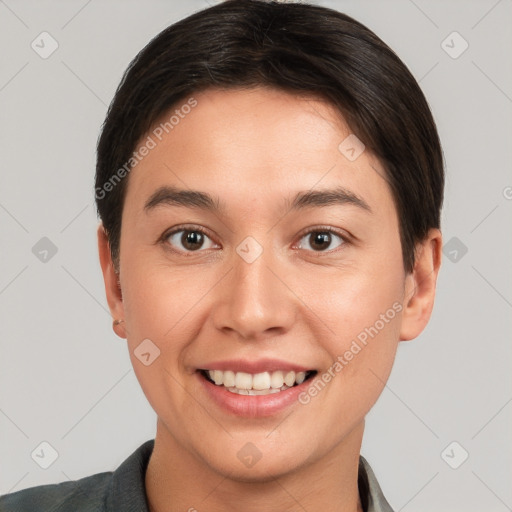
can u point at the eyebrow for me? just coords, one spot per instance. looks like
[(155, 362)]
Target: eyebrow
[(328, 197), (173, 196)]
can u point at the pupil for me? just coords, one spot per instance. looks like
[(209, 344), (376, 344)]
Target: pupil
[(192, 239), (320, 238)]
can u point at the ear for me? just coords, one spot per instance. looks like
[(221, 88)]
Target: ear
[(420, 286), (112, 284)]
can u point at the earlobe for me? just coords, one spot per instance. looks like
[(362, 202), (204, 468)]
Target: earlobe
[(420, 286), (112, 283)]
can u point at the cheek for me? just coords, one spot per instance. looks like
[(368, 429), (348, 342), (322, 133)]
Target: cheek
[(361, 306), (348, 302), (161, 305), (366, 284), (158, 299)]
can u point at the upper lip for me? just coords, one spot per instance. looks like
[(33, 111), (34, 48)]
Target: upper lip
[(259, 366)]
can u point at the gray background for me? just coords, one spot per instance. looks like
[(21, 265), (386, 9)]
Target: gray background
[(66, 378)]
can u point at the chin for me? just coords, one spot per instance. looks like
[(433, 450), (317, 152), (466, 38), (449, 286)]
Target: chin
[(262, 472), (256, 462)]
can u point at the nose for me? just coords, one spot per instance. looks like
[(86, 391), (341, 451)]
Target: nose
[(255, 301)]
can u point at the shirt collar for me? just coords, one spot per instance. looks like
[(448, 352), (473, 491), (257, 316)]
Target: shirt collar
[(127, 489), (376, 500)]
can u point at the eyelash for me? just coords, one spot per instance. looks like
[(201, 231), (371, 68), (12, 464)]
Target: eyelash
[(320, 229)]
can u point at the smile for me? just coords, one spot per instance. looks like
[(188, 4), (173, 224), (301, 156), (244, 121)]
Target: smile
[(264, 383)]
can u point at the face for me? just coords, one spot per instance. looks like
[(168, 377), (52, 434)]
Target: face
[(295, 264)]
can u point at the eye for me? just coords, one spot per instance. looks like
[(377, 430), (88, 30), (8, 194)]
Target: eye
[(321, 239), (192, 239)]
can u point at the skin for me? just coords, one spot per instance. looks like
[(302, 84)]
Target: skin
[(254, 149)]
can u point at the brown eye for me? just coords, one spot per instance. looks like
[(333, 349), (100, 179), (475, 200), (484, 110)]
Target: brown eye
[(321, 240), (189, 240)]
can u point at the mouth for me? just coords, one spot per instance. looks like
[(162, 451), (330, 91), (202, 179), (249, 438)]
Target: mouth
[(263, 383)]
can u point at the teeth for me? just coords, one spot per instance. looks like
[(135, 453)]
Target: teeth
[(228, 379), (254, 391), (276, 380), (289, 379), (243, 380), (261, 381), (300, 377), (259, 384), (217, 376)]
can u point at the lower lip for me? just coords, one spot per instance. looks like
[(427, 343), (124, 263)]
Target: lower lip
[(253, 406)]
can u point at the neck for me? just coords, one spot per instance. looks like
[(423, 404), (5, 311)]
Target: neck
[(178, 481)]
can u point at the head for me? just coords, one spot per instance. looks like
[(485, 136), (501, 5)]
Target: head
[(269, 181)]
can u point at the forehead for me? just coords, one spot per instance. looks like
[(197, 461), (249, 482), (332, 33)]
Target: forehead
[(242, 145)]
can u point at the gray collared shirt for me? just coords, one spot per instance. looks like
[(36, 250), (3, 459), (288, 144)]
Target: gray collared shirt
[(123, 490)]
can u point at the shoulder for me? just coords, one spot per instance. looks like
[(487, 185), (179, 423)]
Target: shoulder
[(120, 490), (85, 495)]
